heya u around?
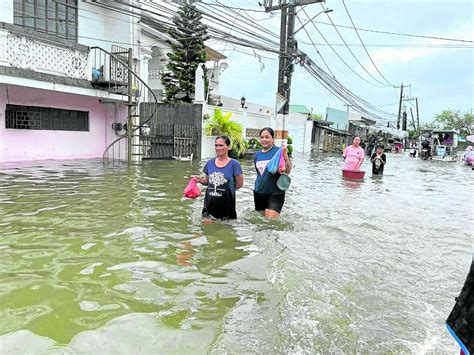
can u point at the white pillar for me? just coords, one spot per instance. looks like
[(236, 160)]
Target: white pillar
[(144, 74), (199, 85), (244, 121)]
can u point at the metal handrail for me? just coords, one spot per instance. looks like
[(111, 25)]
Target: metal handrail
[(130, 130)]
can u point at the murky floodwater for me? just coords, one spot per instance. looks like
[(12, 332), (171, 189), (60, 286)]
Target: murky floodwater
[(105, 260)]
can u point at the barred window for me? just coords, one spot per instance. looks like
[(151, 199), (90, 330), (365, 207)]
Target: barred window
[(55, 17), (44, 118)]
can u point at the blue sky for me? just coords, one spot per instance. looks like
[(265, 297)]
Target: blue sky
[(441, 76)]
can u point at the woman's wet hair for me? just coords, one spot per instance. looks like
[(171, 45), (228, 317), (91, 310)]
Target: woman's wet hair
[(225, 138), (269, 130)]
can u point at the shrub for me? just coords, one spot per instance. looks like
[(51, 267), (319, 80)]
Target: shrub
[(220, 124), (289, 146)]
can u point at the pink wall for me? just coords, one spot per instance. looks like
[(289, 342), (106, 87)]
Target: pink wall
[(21, 145)]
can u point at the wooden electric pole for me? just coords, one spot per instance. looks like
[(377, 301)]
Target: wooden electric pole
[(288, 51), (412, 119), (417, 114), (400, 107)]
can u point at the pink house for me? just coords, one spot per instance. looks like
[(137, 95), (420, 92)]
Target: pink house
[(23, 135), (51, 105)]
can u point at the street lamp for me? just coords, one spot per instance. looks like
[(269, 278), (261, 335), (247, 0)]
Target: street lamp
[(242, 101), (312, 18)]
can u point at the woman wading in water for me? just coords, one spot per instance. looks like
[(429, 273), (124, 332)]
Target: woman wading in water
[(223, 176), (268, 198)]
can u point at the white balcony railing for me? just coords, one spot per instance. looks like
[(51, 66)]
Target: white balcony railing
[(154, 73), (23, 51)]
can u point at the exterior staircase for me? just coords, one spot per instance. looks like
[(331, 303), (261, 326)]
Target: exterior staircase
[(114, 71)]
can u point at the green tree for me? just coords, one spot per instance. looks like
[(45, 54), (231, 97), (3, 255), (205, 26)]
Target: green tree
[(188, 51), (450, 119), (317, 116)]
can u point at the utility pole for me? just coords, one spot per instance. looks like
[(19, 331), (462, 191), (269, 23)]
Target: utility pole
[(288, 51), (412, 119), (417, 114), (348, 106), (400, 107), (282, 58)]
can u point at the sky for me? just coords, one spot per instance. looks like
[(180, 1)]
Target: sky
[(439, 73)]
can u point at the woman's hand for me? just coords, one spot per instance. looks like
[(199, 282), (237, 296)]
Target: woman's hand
[(201, 180), (288, 165)]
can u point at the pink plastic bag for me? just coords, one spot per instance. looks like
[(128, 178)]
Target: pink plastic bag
[(192, 190), (281, 164)]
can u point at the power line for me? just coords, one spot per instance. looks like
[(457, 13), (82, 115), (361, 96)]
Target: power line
[(250, 20), (314, 45), (366, 51), (398, 33), (216, 21), (350, 51), (217, 3), (398, 45), (337, 54), (265, 44), (340, 91)]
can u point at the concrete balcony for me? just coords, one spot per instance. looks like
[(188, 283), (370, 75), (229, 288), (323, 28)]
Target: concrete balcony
[(35, 52)]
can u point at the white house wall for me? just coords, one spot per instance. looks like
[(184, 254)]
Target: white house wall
[(101, 27), (299, 128), (6, 13), (354, 116)]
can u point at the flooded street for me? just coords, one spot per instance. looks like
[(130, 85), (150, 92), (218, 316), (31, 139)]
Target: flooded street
[(111, 260)]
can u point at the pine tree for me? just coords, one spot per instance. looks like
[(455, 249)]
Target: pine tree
[(188, 51)]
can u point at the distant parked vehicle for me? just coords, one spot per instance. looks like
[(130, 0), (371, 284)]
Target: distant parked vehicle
[(443, 144)]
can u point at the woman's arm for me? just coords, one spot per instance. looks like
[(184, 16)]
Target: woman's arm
[(288, 165), (344, 152), (239, 181)]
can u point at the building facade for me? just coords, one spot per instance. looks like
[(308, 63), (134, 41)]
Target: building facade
[(55, 102)]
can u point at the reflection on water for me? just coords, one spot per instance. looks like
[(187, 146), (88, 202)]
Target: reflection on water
[(110, 259)]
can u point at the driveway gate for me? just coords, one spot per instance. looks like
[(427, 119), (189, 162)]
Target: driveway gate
[(175, 130)]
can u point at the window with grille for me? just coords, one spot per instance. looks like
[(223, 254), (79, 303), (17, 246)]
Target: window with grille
[(44, 118), (57, 18)]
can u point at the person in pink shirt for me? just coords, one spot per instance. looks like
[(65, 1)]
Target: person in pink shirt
[(353, 155)]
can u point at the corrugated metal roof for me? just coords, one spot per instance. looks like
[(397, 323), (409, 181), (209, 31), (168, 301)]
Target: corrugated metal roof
[(300, 109)]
